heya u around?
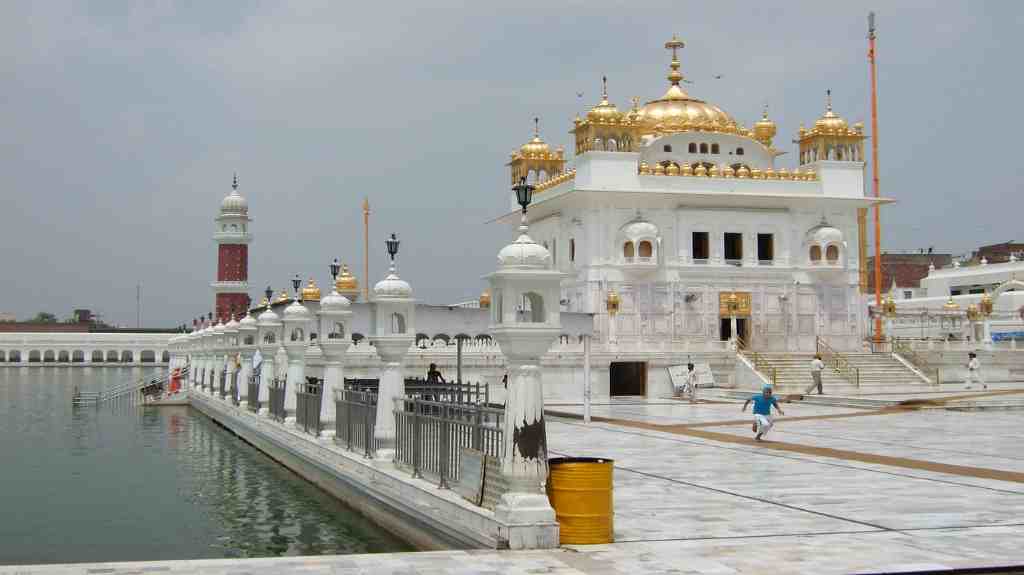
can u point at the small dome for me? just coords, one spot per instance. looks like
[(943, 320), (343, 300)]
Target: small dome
[(535, 147), (296, 312), (248, 323), (524, 253), (218, 329), (334, 302), (269, 318), (231, 326), (485, 300), (311, 292), (824, 234), (639, 228), (764, 129), (347, 284), (283, 298), (234, 203), (830, 123), (392, 287), (605, 112)]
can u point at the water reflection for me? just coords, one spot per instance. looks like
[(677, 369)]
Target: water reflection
[(134, 483)]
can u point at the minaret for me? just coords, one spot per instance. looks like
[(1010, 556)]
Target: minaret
[(232, 237)]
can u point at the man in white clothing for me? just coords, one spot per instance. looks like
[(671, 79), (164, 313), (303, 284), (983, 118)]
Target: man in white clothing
[(816, 368), (974, 371)]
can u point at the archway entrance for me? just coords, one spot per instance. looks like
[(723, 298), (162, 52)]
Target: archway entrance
[(725, 329), (627, 378)]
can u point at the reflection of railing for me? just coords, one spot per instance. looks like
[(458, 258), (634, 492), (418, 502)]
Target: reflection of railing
[(759, 361), (904, 350), (430, 436), (355, 416), (253, 399), (307, 405), (836, 361), (276, 407)]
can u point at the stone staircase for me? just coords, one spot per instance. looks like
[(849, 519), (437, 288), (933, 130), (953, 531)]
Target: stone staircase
[(879, 373)]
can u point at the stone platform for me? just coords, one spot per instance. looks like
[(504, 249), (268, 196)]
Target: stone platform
[(834, 490)]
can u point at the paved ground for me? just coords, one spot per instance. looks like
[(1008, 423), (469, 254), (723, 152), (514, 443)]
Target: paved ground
[(836, 490)]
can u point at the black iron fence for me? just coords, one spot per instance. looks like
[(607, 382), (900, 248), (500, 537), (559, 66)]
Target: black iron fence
[(222, 383), (356, 414), (252, 400), (276, 407), (307, 405), (451, 392), (431, 434)]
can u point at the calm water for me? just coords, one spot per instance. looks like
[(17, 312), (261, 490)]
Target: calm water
[(134, 483)]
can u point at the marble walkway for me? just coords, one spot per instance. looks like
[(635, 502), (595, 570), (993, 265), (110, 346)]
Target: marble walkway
[(720, 503)]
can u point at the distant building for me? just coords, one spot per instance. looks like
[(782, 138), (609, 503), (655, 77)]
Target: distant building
[(902, 272), (999, 253), (7, 317)]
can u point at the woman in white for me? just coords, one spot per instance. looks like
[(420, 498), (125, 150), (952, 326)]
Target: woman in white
[(691, 382), (974, 371)]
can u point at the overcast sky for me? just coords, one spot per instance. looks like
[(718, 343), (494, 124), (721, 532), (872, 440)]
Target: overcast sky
[(121, 125)]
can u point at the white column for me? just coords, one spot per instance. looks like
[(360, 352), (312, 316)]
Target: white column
[(244, 375), (266, 379), (295, 378), (391, 387)]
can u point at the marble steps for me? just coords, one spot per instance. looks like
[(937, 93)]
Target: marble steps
[(878, 373)]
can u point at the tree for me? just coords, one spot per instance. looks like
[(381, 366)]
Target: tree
[(44, 317)]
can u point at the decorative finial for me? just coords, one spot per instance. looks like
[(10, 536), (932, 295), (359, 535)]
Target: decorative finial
[(636, 102), (234, 182), (675, 76), (764, 114), (604, 87), (828, 100), (536, 127)]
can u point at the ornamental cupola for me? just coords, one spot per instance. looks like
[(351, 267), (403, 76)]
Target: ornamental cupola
[(347, 284), (535, 161), (605, 127), (764, 129), (831, 138)]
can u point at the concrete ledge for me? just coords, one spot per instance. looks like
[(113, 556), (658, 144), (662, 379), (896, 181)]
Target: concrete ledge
[(414, 509)]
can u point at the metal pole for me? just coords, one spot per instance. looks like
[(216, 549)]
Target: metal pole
[(366, 249), (586, 379), (458, 360), (879, 336)]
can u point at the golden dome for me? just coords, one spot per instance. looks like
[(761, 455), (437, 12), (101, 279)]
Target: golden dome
[(283, 297), (264, 303), (700, 170), (677, 111), (485, 300), (605, 112), (644, 168), (672, 170), (764, 129), (713, 171), (727, 171), (687, 169), (659, 170), (311, 292), (743, 172), (951, 305), (347, 284), (830, 122)]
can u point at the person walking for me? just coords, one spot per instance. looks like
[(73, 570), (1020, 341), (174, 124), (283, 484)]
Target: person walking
[(691, 382), (817, 366), (974, 371), (434, 374), (763, 403)]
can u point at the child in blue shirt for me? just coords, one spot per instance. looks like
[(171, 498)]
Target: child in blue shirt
[(763, 411)]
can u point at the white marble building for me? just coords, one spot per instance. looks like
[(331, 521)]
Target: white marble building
[(673, 206)]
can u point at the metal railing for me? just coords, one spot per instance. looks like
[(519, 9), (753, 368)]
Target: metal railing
[(759, 361), (451, 392), (128, 391), (222, 383), (836, 361), (355, 417), (307, 405), (276, 407), (906, 351), (430, 436), (252, 400)]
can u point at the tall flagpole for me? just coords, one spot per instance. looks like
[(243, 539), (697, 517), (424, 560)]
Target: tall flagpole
[(879, 336), (366, 249)]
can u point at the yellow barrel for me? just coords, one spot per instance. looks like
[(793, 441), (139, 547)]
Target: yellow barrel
[(580, 490)]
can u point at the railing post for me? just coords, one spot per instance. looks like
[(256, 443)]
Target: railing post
[(478, 428), (348, 421), (444, 449), (416, 439), (367, 428)]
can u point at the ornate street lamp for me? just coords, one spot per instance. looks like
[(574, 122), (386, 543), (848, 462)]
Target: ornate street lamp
[(296, 282), (335, 268), (524, 193), (392, 244)]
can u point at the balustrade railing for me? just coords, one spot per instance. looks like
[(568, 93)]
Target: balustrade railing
[(222, 383), (252, 400), (834, 360), (276, 407), (355, 417), (451, 392), (906, 351), (759, 361), (307, 405), (430, 436)]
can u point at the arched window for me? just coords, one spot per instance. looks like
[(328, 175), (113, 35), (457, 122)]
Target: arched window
[(97, 356), (357, 337), (147, 356), (269, 337), (78, 356), (14, 356), (693, 147), (739, 151), (165, 357), (627, 250), (703, 148), (297, 334), (33, 356), (442, 337), (49, 357), (714, 148), (667, 148), (337, 331), (534, 308), (397, 323), (63, 356), (111, 356), (645, 250), (832, 253), (422, 339), (815, 254), (3, 356), (127, 357)]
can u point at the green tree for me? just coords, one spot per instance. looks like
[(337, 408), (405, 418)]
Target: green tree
[(44, 317)]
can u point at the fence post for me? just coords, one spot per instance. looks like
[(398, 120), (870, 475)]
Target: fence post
[(416, 439), (348, 421), (367, 429), (478, 428), (444, 452)]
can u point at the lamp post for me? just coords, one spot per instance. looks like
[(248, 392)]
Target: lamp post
[(335, 268), (269, 294), (334, 342), (392, 246), (296, 282)]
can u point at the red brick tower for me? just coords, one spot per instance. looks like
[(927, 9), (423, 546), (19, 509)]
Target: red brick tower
[(232, 237)]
